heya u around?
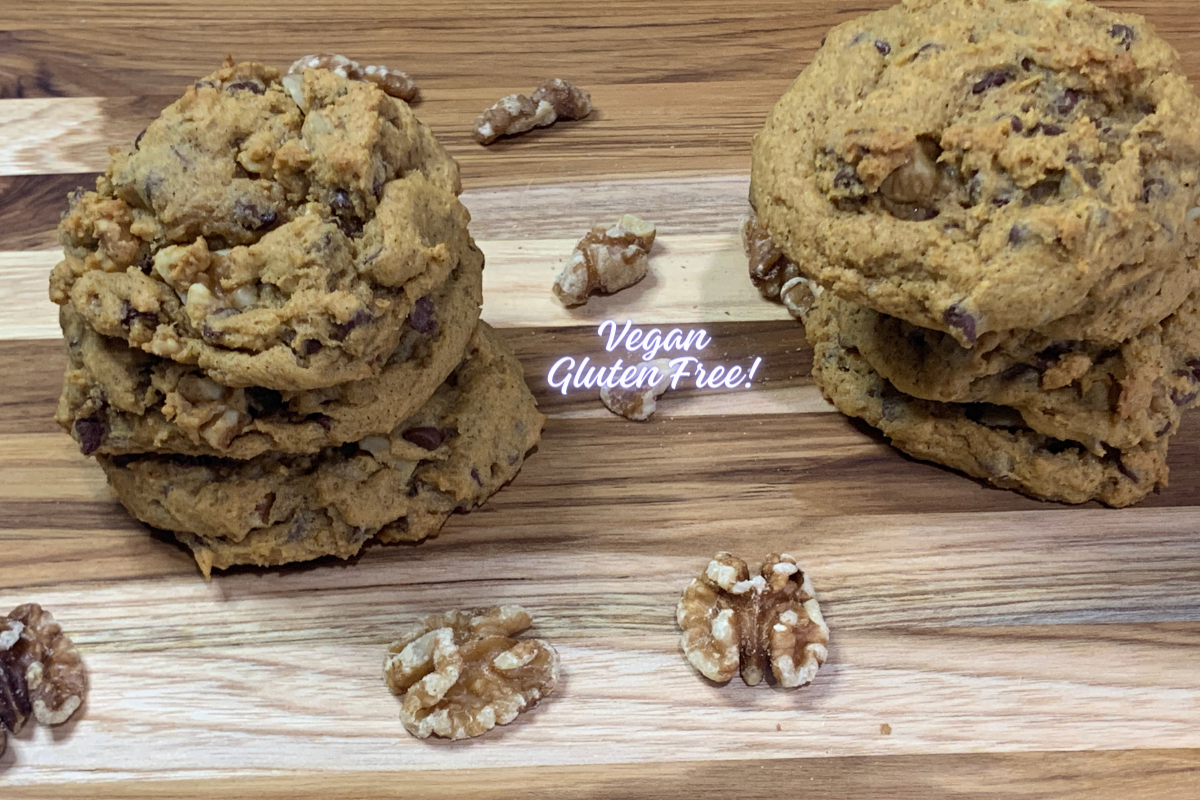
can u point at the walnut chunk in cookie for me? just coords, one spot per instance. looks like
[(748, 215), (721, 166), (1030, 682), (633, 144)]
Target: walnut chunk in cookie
[(41, 672), (553, 100), (732, 622), (393, 82), (461, 673), (606, 260), (639, 400)]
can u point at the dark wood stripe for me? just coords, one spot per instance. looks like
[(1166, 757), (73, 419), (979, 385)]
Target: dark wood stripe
[(31, 205)]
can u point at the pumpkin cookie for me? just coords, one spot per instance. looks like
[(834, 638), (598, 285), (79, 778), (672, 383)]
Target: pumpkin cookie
[(979, 166), (458, 449), (119, 400), (268, 242), (981, 439), (1101, 395)]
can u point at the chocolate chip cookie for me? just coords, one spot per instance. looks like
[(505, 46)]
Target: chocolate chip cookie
[(979, 166), (463, 445), (986, 441), (1101, 395), (268, 242), (119, 400)]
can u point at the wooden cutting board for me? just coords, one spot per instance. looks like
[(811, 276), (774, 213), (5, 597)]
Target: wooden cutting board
[(1011, 647)]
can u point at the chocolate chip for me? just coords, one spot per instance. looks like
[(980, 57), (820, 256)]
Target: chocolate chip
[(956, 317), (1016, 235), (263, 509), (883, 47), (1065, 103), (131, 317), (1153, 188), (425, 438), (1123, 34), (1015, 123), (1091, 176), (246, 86), (90, 432), (343, 211), (310, 347), (342, 329), (251, 217), (475, 475), (1182, 400), (422, 318), (1126, 471), (513, 458), (1049, 129), (991, 81), (1027, 63), (1044, 190)]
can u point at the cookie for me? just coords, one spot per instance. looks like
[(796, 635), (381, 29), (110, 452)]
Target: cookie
[(978, 166), (269, 243), (983, 440), (119, 400), (1101, 395), (458, 449)]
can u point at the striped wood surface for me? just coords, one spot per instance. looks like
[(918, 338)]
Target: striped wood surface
[(1014, 648)]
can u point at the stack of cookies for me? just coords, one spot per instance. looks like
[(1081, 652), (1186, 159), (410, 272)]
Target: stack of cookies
[(988, 215), (271, 307)]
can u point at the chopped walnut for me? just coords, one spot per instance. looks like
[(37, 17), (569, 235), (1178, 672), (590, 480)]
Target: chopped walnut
[(639, 400), (42, 671), (799, 295), (553, 100), (606, 260), (393, 82), (730, 620), (770, 269), (461, 673)]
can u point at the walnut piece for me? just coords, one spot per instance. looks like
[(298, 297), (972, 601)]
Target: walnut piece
[(553, 100), (606, 260), (639, 401), (770, 269), (393, 82), (42, 672), (461, 673), (731, 621)]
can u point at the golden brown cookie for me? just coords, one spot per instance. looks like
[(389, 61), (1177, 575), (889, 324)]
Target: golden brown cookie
[(983, 440), (977, 166), (1101, 395), (459, 448), (267, 242), (119, 400)]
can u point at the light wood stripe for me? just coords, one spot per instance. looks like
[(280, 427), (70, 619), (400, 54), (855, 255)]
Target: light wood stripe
[(693, 279)]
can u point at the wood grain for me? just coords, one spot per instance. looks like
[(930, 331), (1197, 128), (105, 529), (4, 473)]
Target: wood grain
[(1014, 648)]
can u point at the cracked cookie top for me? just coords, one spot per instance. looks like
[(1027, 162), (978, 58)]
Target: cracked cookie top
[(270, 242), (984, 165)]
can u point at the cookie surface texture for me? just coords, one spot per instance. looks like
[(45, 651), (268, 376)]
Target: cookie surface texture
[(977, 166), (268, 242)]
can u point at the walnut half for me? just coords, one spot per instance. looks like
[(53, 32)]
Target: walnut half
[(551, 101), (41, 673), (460, 673), (731, 621)]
